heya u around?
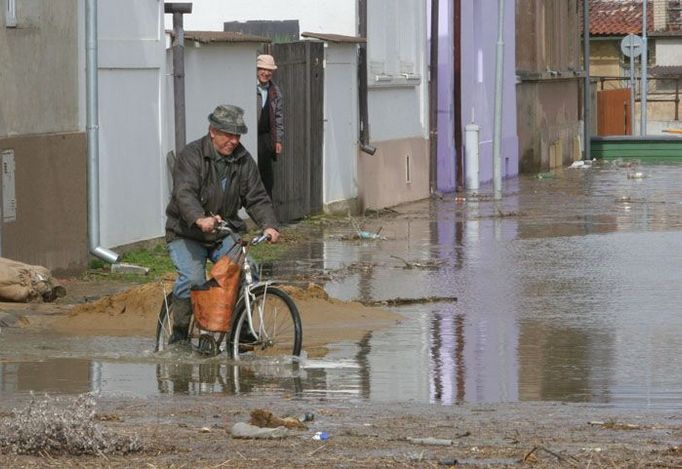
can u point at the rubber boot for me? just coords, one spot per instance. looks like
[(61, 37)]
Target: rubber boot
[(182, 313)]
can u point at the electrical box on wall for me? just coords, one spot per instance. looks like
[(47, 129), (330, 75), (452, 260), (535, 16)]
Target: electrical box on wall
[(9, 198)]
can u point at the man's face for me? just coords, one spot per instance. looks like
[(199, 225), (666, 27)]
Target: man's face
[(224, 142), (264, 75)]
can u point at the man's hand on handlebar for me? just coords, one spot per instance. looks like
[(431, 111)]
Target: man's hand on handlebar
[(272, 233), (208, 224)]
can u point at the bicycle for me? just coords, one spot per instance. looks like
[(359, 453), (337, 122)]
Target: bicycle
[(265, 319)]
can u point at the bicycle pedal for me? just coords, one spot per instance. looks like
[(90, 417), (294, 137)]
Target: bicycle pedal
[(207, 345)]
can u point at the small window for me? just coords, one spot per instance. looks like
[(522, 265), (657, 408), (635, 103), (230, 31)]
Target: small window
[(11, 13)]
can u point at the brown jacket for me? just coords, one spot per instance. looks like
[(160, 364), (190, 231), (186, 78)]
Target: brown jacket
[(197, 193)]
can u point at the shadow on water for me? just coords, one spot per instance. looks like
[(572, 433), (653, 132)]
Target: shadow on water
[(566, 291)]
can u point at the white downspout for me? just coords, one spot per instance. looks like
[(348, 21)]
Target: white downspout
[(92, 130)]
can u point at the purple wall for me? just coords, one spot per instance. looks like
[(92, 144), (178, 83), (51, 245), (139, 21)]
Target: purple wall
[(478, 41)]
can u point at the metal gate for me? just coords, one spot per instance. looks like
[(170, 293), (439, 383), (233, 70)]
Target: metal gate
[(297, 190), (614, 112)]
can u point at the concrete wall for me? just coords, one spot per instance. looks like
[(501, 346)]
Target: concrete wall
[(328, 16), (39, 122), (398, 172), (39, 74), (548, 92), (548, 124), (51, 202)]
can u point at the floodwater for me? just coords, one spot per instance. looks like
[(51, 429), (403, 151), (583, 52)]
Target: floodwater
[(568, 290)]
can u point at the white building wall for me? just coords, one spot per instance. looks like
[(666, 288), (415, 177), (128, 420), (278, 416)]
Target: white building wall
[(668, 51), (131, 86), (329, 16), (223, 73), (397, 72)]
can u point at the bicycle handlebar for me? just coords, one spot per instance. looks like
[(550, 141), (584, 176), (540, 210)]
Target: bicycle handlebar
[(223, 227)]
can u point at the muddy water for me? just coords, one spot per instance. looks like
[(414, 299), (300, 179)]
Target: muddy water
[(567, 290)]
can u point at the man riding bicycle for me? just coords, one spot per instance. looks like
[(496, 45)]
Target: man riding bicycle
[(213, 178)]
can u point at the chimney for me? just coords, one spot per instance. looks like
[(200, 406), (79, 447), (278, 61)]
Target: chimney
[(660, 15)]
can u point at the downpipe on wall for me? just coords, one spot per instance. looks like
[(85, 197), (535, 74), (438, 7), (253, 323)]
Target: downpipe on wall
[(365, 146), (92, 130)]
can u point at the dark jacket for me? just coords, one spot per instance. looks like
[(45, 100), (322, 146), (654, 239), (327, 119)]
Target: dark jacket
[(276, 113), (197, 193)]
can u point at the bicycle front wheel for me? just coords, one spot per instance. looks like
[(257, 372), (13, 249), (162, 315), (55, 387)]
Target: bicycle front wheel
[(164, 325), (276, 324)]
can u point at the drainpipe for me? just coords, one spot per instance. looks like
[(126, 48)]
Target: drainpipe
[(92, 129), (497, 132), (177, 10), (433, 99), (587, 94), (457, 84), (643, 82), (362, 80)]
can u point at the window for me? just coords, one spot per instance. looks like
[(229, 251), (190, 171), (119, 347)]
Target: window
[(11, 13), (394, 37)]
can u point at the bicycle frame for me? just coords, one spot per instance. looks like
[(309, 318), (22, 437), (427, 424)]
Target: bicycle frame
[(248, 287)]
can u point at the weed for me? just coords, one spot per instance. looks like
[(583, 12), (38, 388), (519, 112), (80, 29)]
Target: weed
[(46, 427)]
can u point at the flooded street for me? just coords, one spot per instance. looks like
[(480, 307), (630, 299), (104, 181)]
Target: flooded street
[(567, 290)]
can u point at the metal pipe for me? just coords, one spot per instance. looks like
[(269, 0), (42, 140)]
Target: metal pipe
[(644, 86), (179, 9), (433, 99), (586, 84), (362, 80), (632, 84), (92, 130), (497, 132), (457, 85), (471, 139)]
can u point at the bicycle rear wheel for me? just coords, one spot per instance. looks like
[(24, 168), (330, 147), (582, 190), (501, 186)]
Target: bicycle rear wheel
[(276, 322)]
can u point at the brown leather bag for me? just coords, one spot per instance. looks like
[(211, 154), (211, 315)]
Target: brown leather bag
[(213, 302)]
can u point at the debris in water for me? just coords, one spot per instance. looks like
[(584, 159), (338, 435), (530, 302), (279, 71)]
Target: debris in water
[(265, 418), (408, 301), (429, 264), (245, 430), (430, 441)]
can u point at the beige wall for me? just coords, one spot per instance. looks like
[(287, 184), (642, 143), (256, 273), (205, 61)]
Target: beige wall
[(383, 176), (548, 95), (605, 61), (548, 124), (51, 202)]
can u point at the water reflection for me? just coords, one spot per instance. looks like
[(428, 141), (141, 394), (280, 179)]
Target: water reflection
[(566, 291)]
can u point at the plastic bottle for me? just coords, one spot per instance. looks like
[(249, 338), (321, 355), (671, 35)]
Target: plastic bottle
[(307, 417), (321, 436)]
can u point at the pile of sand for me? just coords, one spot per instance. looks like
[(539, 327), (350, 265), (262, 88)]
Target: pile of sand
[(134, 312)]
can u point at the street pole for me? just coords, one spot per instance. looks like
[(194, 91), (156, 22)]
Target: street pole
[(497, 134), (632, 84), (586, 84), (433, 99), (177, 10), (644, 86)]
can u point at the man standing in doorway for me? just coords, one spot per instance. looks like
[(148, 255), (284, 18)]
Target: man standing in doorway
[(270, 120)]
